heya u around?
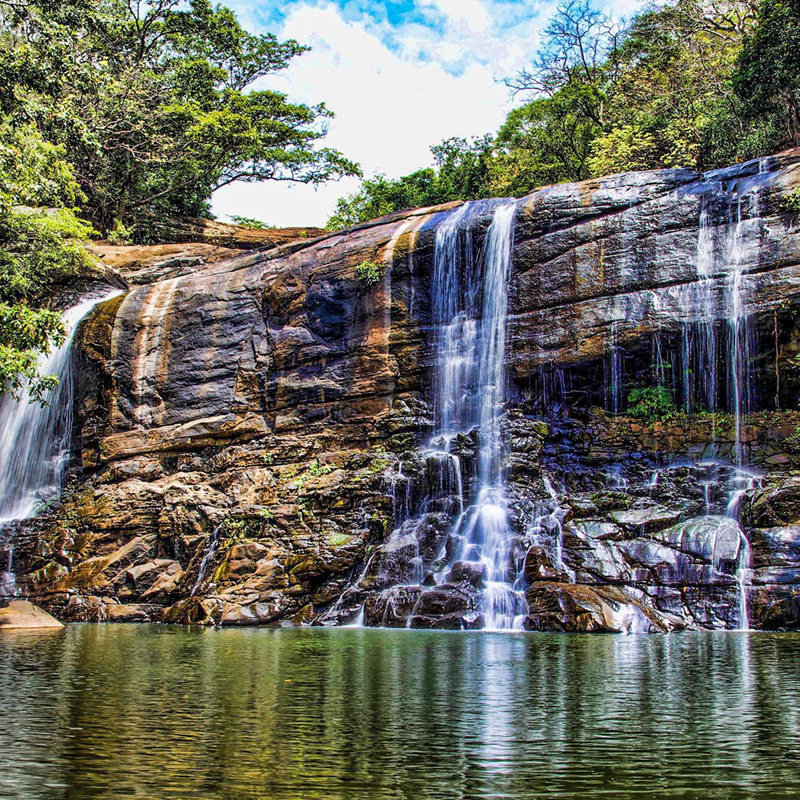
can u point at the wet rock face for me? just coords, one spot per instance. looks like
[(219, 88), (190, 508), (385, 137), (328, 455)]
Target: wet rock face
[(253, 438), (619, 252)]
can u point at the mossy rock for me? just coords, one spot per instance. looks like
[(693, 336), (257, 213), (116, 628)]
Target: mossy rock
[(339, 539), (612, 501)]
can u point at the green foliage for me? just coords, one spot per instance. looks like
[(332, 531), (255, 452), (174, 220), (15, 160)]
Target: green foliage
[(119, 234), (38, 248), (370, 272), (623, 149), (240, 529), (767, 77), (250, 223), (651, 403), (462, 172), (154, 103), (380, 195), (318, 470), (116, 112), (673, 89), (546, 141), (791, 203)]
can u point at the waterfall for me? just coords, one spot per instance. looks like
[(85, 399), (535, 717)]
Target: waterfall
[(706, 307), (208, 556), (35, 438), (711, 358), (455, 313), (614, 371), (470, 311), (739, 350)]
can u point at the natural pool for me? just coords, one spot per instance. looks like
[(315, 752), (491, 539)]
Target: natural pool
[(159, 712)]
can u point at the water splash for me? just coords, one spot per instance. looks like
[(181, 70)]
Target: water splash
[(742, 483), (547, 527)]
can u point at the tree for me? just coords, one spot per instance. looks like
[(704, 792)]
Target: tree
[(546, 141), (462, 172), (671, 103), (463, 168), (767, 77), (155, 103), (694, 84), (379, 195), (113, 111), (549, 139), (38, 247)]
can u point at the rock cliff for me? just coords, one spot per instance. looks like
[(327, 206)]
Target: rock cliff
[(252, 439)]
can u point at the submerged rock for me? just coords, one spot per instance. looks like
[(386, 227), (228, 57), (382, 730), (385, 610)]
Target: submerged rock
[(573, 608)]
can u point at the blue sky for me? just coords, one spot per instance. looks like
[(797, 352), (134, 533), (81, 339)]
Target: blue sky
[(400, 76)]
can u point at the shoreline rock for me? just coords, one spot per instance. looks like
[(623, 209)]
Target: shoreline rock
[(21, 614)]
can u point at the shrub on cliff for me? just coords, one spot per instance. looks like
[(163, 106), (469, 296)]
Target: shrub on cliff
[(651, 403), (38, 247)]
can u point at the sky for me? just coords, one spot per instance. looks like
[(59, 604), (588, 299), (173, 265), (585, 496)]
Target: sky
[(400, 76)]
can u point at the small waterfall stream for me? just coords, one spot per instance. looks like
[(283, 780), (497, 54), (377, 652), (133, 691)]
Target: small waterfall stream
[(713, 357), (35, 438)]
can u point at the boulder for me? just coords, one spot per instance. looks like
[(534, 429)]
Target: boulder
[(22, 614), (574, 608)]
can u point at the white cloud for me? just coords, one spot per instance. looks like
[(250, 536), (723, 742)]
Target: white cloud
[(395, 91), (390, 107), (471, 13)]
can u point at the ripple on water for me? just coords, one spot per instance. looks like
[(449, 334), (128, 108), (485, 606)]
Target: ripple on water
[(108, 712)]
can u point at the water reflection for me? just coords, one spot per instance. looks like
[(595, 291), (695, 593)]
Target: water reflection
[(114, 711)]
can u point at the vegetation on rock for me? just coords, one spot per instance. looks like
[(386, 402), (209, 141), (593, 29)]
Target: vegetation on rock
[(651, 403), (250, 223), (40, 245), (369, 272), (688, 85)]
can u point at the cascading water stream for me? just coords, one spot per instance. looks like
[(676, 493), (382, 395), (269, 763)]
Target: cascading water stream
[(716, 334), (35, 438), (471, 394)]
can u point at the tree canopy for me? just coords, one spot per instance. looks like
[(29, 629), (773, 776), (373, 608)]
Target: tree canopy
[(114, 112), (155, 103), (692, 84)]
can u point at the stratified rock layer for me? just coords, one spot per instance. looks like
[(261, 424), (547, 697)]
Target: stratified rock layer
[(251, 437)]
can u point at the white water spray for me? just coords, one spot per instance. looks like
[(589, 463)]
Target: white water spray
[(35, 439)]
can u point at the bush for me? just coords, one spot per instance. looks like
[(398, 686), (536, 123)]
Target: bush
[(250, 223), (651, 403), (369, 272), (791, 202), (119, 234)]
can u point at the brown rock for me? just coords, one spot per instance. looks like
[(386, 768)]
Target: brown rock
[(22, 614)]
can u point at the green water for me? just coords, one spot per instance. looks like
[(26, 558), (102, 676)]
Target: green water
[(157, 712)]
